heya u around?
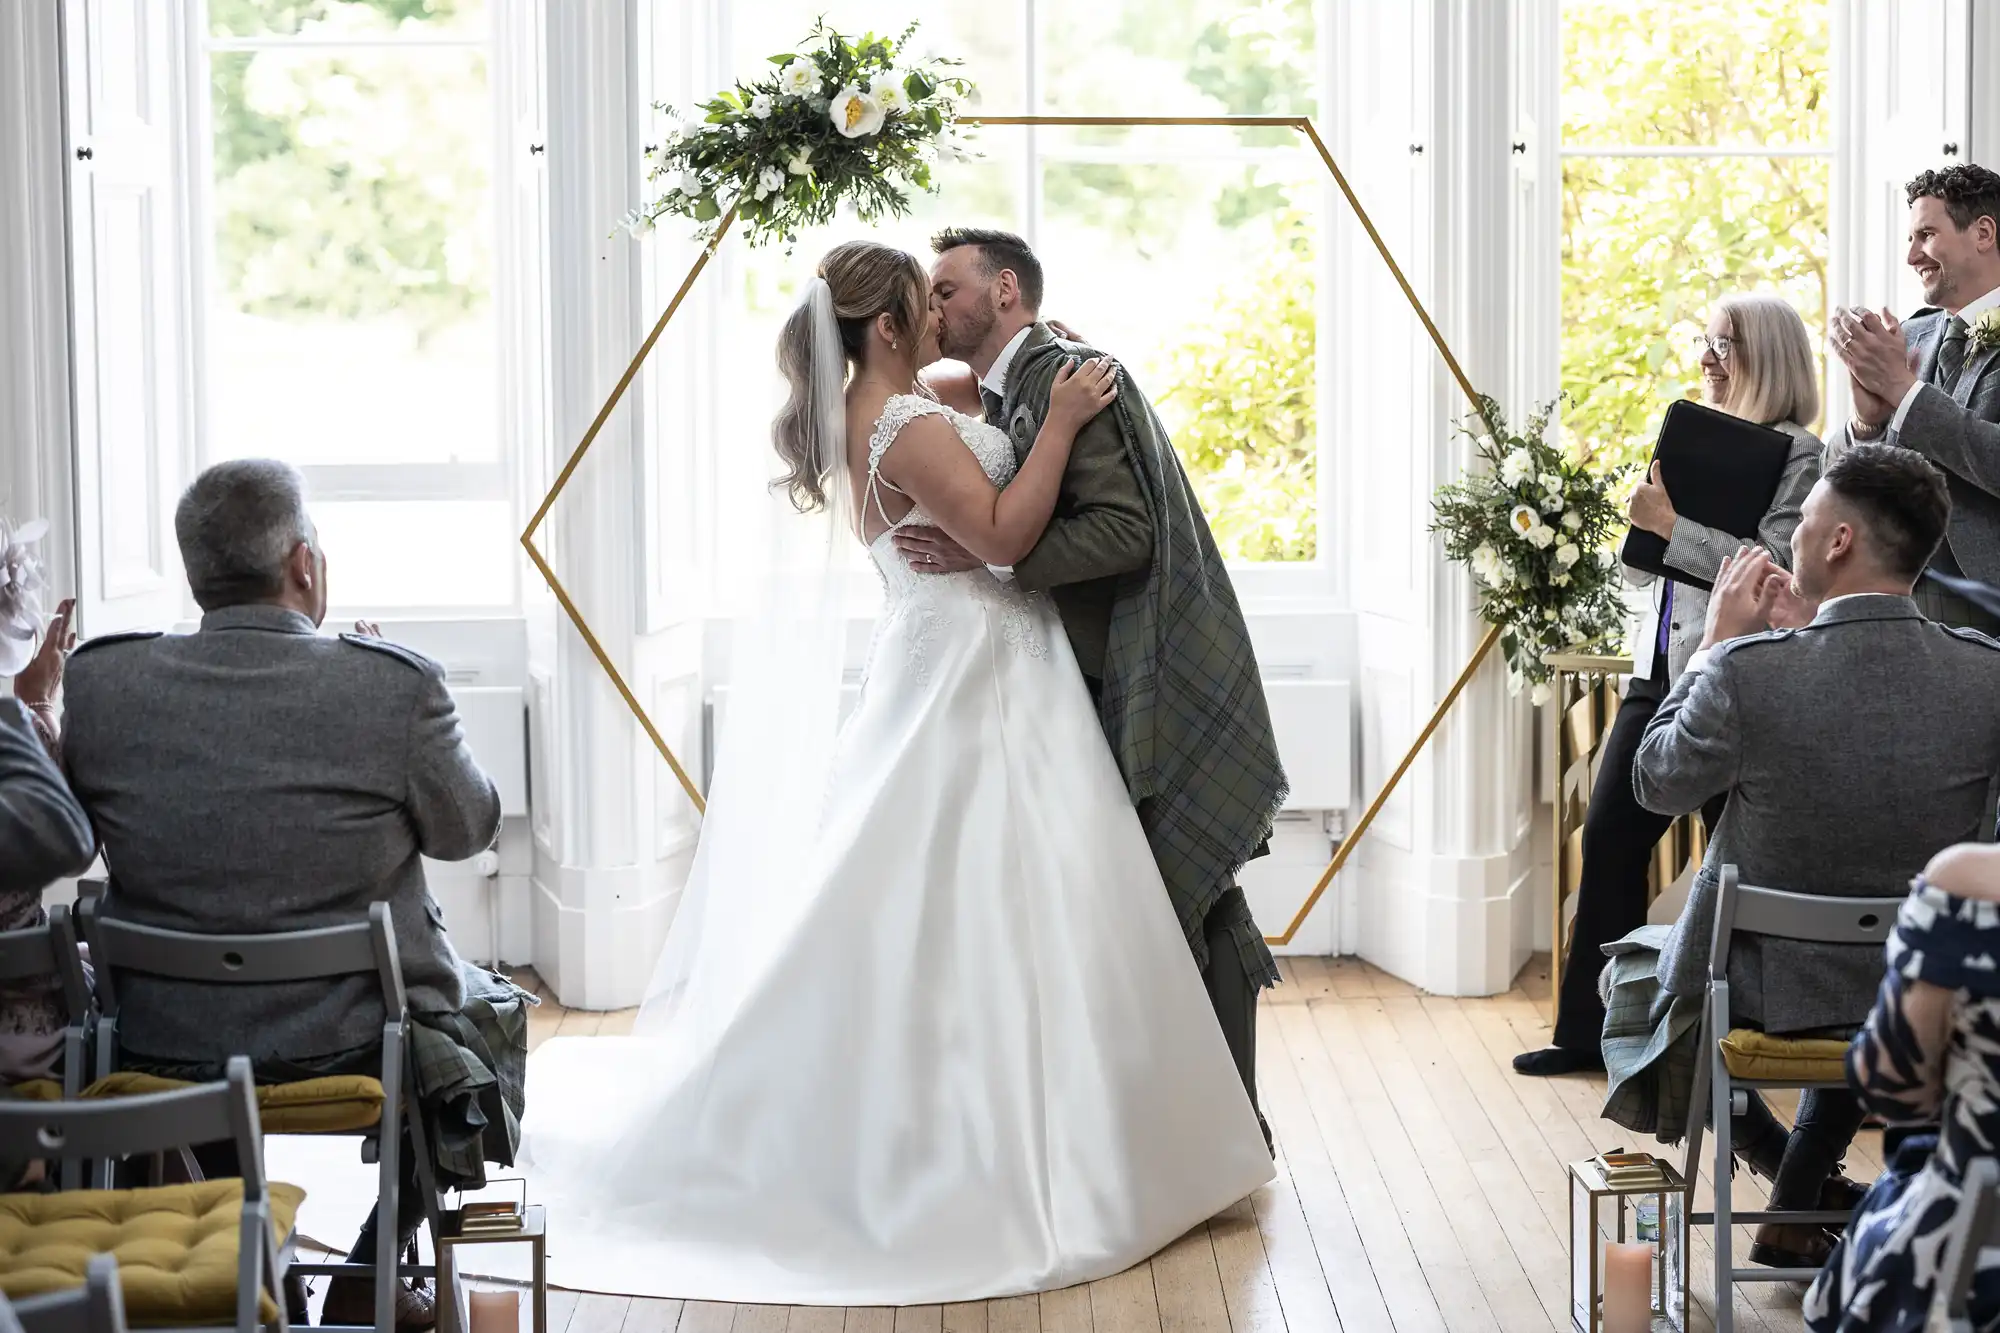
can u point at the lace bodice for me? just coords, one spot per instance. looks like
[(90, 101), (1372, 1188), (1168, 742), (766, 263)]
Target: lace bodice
[(989, 444)]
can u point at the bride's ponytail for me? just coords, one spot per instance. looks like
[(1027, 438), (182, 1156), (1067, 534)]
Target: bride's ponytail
[(826, 334)]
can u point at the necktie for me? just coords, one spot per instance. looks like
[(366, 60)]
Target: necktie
[(1951, 354), (994, 406)]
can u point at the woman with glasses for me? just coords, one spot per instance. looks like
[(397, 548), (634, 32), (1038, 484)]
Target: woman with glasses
[(1756, 363)]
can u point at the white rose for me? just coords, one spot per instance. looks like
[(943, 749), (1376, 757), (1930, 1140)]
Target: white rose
[(801, 163), (761, 106), (1551, 483), (798, 78), (1540, 536), (1484, 443), (854, 113), (1487, 566), (691, 125), (1572, 520), (1568, 553), (1517, 468), (1541, 694), (888, 90), (1549, 615), (770, 182), (1523, 520)]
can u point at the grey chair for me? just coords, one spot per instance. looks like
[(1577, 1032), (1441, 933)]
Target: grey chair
[(50, 950), (149, 1124), (98, 1306), (1975, 1227), (363, 948), (1718, 1093)]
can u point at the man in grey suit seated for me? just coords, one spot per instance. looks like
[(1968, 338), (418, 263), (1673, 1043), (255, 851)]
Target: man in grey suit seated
[(255, 776), (1823, 731)]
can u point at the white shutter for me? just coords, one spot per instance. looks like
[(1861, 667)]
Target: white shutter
[(130, 302), (1909, 82), (521, 184)]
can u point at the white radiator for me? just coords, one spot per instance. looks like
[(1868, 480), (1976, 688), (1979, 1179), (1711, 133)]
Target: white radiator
[(495, 719)]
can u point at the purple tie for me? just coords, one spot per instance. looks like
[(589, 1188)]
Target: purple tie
[(1666, 622)]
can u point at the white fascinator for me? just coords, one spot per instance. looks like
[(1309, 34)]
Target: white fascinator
[(20, 594)]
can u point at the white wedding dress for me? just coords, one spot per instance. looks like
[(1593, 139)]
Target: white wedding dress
[(968, 1056)]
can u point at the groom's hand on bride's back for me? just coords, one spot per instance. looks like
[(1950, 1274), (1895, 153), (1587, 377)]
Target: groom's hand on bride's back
[(930, 551)]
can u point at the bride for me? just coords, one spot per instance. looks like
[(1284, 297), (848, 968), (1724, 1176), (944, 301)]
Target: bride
[(926, 1028)]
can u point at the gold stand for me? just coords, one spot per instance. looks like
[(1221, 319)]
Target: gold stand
[(1585, 705)]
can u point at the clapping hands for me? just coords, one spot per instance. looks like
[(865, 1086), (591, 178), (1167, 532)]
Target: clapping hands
[(1880, 367), (1753, 593)]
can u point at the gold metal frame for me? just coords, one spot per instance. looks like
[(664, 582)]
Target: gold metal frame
[(1302, 125)]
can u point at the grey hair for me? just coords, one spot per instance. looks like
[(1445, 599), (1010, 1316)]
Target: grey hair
[(1773, 378), (237, 525)]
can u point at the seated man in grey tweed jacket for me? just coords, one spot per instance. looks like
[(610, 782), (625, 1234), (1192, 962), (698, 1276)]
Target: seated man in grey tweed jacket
[(1841, 781), (255, 776)]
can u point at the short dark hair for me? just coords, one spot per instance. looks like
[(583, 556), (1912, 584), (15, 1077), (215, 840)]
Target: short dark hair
[(237, 525), (1901, 499), (1969, 192), (998, 250)]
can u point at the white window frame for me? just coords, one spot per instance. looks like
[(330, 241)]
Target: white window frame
[(496, 479)]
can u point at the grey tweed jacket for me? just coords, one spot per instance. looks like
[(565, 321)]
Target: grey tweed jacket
[(1960, 432), (43, 832), (255, 776), (1840, 782)]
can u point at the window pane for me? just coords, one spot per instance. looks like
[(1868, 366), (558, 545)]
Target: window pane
[(1202, 277), (350, 294), (1702, 72), (1179, 58), (1648, 246), (328, 18), (388, 554), (985, 34)]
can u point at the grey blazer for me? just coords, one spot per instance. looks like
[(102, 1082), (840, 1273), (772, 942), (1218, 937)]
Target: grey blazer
[(1960, 432), (43, 831), (1840, 782), (1700, 550), (254, 776)]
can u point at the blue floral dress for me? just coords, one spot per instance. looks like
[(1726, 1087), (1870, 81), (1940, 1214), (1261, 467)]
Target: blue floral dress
[(1929, 1054)]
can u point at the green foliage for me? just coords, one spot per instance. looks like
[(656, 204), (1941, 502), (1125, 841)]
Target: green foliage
[(349, 183), (1536, 528), (843, 120), (1649, 244), (1242, 407)]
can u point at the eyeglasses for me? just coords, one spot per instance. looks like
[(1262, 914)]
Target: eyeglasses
[(1722, 346)]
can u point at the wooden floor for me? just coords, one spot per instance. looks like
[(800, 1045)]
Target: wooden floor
[(1421, 1186)]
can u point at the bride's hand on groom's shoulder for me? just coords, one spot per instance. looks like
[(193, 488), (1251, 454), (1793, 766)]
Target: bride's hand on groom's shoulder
[(1082, 390)]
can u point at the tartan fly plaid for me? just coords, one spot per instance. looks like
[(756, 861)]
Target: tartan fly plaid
[(1183, 704), (1650, 1040)]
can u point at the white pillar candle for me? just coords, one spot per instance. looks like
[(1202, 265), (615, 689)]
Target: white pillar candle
[(1628, 1288), (496, 1311)]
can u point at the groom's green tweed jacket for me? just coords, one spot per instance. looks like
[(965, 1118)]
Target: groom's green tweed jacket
[(1150, 611)]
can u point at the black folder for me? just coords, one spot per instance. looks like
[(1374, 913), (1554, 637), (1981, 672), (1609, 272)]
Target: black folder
[(1720, 471)]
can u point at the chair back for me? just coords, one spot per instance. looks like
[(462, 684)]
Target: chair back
[(1975, 1226), (141, 1125), (1811, 917), (48, 950), (362, 948), (98, 1306)]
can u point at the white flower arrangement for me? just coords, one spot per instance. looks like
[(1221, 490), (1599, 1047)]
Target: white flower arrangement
[(839, 121), (1984, 335), (1523, 524)]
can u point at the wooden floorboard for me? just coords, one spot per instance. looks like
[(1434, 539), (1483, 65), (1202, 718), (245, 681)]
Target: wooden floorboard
[(1421, 1187)]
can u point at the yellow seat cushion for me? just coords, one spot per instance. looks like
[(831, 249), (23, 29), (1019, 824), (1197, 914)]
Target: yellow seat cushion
[(37, 1090), (176, 1247), (1748, 1053), (337, 1104)]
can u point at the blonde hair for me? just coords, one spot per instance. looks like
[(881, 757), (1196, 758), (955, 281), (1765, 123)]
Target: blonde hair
[(1771, 373), (866, 279)]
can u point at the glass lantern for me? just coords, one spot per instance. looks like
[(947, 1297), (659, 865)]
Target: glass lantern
[(1627, 1200)]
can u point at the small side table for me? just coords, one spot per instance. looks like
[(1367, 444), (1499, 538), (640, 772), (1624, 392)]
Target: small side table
[(533, 1232)]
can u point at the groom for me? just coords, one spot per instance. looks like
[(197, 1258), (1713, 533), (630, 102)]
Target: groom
[(1149, 611)]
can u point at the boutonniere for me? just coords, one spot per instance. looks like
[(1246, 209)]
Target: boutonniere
[(1984, 335)]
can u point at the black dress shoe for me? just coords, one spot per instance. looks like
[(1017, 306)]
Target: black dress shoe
[(1791, 1245), (1553, 1060)]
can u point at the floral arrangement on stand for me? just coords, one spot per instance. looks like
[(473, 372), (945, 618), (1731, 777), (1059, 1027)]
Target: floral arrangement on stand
[(840, 120), (1536, 529), (21, 587)]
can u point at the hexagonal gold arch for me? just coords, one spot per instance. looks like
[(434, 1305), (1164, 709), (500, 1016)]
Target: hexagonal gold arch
[(1302, 125)]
